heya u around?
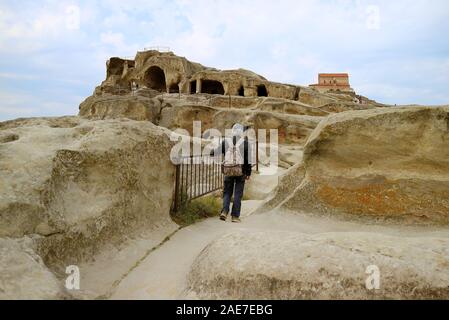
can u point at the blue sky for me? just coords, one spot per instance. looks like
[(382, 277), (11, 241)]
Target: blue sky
[(53, 53)]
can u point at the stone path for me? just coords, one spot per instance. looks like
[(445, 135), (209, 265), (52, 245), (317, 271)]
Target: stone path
[(162, 274)]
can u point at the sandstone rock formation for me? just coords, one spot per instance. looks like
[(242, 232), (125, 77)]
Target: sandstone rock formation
[(24, 275), (81, 183), (112, 107), (166, 72), (172, 92), (69, 186), (289, 265), (293, 120), (390, 162), (154, 73)]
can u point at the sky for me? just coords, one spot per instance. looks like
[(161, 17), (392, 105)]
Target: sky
[(53, 53)]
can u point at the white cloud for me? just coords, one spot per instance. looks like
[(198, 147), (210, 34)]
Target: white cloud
[(111, 38), (403, 59), (72, 17), (32, 28), (17, 76), (10, 112), (15, 104)]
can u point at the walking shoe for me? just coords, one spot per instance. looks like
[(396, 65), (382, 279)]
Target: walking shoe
[(223, 216), (236, 219)]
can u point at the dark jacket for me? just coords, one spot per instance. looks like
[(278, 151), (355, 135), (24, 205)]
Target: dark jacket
[(246, 167)]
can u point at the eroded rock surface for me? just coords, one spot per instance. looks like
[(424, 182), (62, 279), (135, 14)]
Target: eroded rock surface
[(112, 107), (294, 121), (81, 183), (23, 274), (288, 265), (140, 88), (390, 162)]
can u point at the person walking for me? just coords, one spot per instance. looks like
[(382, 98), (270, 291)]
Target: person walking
[(236, 169)]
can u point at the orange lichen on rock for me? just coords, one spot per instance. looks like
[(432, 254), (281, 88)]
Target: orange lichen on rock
[(390, 162), (375, 198)]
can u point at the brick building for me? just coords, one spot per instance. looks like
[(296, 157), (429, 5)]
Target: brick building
[(332, 82)]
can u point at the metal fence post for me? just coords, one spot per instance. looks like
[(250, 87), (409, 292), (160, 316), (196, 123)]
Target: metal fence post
[(257, 153), (177, 185)]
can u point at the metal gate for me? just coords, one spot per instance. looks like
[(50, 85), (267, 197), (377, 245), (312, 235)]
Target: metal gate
[(196, 176), (199, 175)]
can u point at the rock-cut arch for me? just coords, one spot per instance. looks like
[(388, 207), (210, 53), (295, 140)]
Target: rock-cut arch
[(262, 91), (212, 87), (155, 79), (241, 91)]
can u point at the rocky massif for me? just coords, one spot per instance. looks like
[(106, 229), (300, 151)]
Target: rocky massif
[(172, 92), (72, 187), (76, 185), (384, 163), (372, 167), (292, 265)]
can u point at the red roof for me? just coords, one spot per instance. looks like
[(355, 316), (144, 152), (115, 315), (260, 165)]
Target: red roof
[(345, 75), (331, 85)]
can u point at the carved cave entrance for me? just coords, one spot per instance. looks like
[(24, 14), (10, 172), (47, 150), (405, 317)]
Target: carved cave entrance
[(193, 87), (262, 91), (155, 79), (241, 91), (212, 87), (174, 88)]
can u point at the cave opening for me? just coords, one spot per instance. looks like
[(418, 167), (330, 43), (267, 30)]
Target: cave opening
[(241, 91), (296, 96), (174, 88), (193, 86), (155, 79), (212, 87), (262, 91)]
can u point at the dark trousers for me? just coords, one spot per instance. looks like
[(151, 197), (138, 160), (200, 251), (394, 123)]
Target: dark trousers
[(233, 185)]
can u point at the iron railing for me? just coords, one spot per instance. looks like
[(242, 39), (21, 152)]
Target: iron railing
[(196, 176), (157, 48)]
